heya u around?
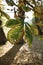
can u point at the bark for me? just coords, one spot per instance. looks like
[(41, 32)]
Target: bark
[(2, 35)]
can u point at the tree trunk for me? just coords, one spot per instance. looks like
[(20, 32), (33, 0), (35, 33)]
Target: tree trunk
[(2, 35)]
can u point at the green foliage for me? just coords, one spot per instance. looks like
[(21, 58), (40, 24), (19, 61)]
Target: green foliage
[(4, 14), (34, 2), (14, 22), (20, 20), (11, 23), (10, 2), (28, 35), (18, 32), (29, 26), (26, 9), (15, 34)]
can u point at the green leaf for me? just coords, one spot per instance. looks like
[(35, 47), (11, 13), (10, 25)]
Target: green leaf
[(10, 2), (28, 35), (29, 26), (15, 34), (34, 2), (26, 9), (11, 23), (4, 14), (20, 20)]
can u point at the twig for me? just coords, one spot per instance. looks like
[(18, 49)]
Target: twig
[(29, 4)]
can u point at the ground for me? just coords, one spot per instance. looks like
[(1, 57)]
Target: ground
[(21, 54)]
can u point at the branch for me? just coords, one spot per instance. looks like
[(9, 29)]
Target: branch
[(29, 4), (15, 5)]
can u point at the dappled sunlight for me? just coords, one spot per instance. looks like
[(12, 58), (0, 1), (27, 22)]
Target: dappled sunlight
[(5, 48)]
